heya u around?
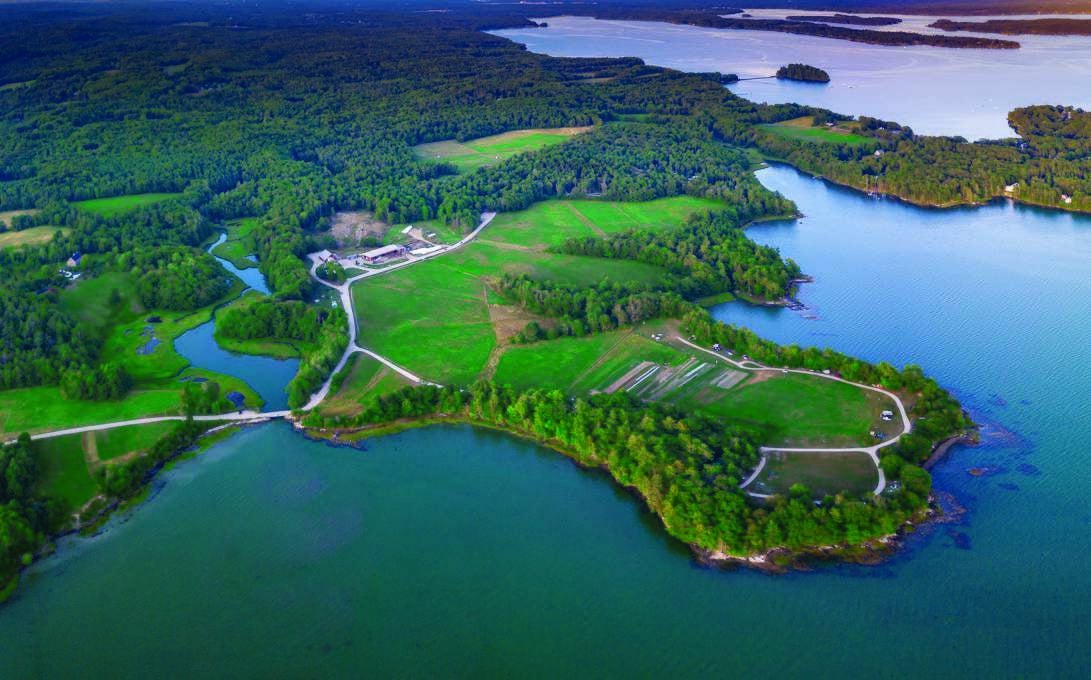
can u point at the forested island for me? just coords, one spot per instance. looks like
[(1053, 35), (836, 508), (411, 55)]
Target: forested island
[(1053, 26), (803, 73), (849, 19), (129, 168)]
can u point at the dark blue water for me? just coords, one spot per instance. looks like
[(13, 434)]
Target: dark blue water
[(266, 375)]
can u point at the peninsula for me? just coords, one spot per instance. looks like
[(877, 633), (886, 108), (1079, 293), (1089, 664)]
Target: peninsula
[(488, 236)]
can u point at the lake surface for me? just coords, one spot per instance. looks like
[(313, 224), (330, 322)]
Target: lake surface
[(460, 552), (937, 91), (268, 376)]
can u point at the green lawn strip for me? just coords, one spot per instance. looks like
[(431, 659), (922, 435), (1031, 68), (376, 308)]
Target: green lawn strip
[(822, 473), (29, 237), (717, 299), (817, 134), (41, 409), (117, 205), (64, 473), (121, 441), (799, 410), (476, 153)]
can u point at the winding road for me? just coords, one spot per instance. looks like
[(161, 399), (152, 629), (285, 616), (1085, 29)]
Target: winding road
[(344, 291), (871, 451)]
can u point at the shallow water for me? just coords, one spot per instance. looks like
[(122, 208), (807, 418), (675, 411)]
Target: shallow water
[(938, 91), (268, 376)]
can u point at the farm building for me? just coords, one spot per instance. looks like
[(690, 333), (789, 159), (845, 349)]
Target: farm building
[(384, 253)]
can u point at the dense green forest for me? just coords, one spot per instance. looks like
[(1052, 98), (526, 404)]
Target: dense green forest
[(803, 72)]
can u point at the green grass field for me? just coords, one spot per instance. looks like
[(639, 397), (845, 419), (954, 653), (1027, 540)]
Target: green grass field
[(238, 244), (802, 129), (476, 153), (117, 205), (435, 319), (39, 409), (366, 379), (122, 441), (822, 473), (29, 237), (64, 471)]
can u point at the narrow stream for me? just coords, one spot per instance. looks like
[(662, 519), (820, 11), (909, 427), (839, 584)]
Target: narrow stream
[(268, 376)]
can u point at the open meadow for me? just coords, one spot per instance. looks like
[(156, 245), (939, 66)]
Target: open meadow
[(438, 319), (484, 151), (804, 130), (118, 205)]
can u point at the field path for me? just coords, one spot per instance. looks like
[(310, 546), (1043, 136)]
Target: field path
[(871, 451)]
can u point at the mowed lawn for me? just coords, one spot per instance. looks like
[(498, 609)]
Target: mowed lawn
[(822, 473), (117, 205), (799, 410), (484, 151), (804, 130), (433, 318), (41, 409), (29, 237)]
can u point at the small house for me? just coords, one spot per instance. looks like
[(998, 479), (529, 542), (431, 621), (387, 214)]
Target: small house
[(1010, 188), (74, 261), (1066, 198)]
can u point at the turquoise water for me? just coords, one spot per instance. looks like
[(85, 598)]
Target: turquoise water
[(268, 376)]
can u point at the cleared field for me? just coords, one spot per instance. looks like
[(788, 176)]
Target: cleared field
[(366, 380), (117, 205), (39, 409), (792, 409), (29, 237), (476, 153), (551, 222), (434, 317), (64, 471), (822, 473), (238, 244), (803, 129), (122, 441), (6, 216)]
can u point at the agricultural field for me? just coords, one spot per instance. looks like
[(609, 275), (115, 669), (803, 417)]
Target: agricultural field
[(117, 205), (364, 380), (238, 244), (476, 153), (437, 318), (793, 409), (822, 473), (804, 130), (29, 237)]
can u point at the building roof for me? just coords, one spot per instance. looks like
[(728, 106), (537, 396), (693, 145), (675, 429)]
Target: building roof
[(385, 250)]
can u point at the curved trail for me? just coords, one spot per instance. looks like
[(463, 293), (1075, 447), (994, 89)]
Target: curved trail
[(871, 451), (344, 290)]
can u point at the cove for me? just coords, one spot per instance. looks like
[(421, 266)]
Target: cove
[(268, 376)]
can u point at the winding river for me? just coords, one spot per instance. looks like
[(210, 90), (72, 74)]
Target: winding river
[(268, 376), (454, 551)]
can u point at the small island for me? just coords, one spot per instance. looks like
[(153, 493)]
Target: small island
[(849, 19), (1054, 26), (803, 72)]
